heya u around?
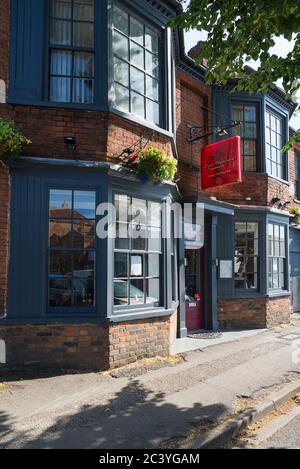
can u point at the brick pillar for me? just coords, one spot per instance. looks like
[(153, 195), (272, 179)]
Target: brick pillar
[(4, 233)]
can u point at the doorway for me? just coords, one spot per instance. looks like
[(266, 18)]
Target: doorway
[(194, 289)]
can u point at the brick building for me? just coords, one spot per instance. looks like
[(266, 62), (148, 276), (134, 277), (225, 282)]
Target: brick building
[(85, 80)]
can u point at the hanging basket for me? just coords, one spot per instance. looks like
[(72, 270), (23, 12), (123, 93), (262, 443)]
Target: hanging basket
[(154, 165)]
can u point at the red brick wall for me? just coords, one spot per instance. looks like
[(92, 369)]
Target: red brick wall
[(192, 100), (85, 346), (254, 313)]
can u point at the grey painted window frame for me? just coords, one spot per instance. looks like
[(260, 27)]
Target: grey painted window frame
[(285, 222)]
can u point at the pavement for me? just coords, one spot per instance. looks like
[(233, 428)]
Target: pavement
[(163, 408)]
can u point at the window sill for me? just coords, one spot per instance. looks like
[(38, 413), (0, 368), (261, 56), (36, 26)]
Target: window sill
[(282, 181), (133, 315), (278, 293)]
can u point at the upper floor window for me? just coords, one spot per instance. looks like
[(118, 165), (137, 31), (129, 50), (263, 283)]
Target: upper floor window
[(136, 56), (297, 175), (246, 255), (72, 55), (247, 115), (274, 145), (277, 256)]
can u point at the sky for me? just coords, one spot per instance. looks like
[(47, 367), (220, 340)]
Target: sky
[(281, 48)]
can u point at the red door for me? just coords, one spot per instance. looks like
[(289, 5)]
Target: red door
[(194, 278)]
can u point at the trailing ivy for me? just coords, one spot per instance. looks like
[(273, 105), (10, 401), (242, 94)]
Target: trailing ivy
[(11, 139)]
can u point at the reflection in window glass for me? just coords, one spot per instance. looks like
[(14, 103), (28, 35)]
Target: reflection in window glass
[(136, 66), (138, 252), (71, 249)]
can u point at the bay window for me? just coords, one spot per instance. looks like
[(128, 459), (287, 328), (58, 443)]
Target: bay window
[(277, 256), (136, 58), (247, 115), (274, 145), (72, 56), (246, 256), (71, 249), (138, 252)]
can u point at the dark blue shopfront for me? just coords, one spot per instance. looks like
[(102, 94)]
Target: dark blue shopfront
[(60, 270)]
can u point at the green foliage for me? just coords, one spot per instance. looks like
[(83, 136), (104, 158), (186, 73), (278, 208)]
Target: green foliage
[(155, 165), (240, 31), (11, 139), (296, 212)]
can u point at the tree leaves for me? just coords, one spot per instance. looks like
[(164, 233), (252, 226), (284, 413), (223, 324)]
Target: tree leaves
[(239, 32)]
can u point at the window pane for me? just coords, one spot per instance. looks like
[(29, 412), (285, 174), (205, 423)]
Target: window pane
[(83, 91), (122, 97), (61, 63), (137, 294), (252, 281), (60, 234), (122, 240), (249, 163), (121, 292), (120, 45), (138, 104), (151, 40), (153, 113), (154, 211), (250, 113), (83, 292), (137, 31), (152, 265), (249, 130), (154, 240), (152, 64), (83, 10), (121, 265), (122, 206), (238, 113), (152, 291), (83, 263), (136, 55), (83, 34), (137, 80), (60, 204), (152, 87), (61, 9), (60, 292), (60, 263), (121, 20), (136, 266), (83, 64), (60, 90), (85, 204), (84, 234), (250, 147), (121, 70), (60, 32)]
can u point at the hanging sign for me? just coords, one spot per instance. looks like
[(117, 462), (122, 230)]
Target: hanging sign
[(221, 163)]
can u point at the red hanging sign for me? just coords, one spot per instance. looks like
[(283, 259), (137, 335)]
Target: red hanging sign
[(221, 163)]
